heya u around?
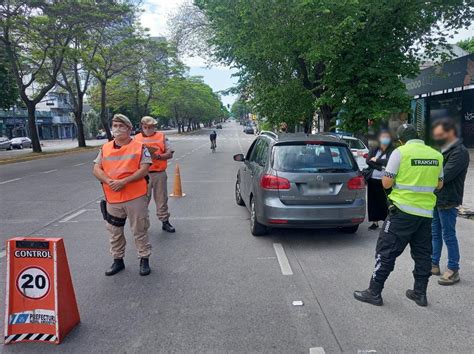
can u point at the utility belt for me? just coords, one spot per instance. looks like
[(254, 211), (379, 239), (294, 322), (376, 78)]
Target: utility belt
[(156, 171), (112, 220)]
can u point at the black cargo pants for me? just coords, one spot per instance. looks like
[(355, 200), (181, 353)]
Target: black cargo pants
[(399, 230)]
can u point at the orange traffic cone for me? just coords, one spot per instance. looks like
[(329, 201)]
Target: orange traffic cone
[(177, 190)]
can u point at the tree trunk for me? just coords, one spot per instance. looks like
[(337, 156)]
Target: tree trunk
[(81, 139), (103, 109), (179, 128), (32, 128), (326, 115)]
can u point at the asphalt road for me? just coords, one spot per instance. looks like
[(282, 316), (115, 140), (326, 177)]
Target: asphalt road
[(216, 288)]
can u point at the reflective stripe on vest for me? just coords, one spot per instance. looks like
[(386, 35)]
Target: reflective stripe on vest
[(414, 188), (417, 179), (121, 163), (158, 142)]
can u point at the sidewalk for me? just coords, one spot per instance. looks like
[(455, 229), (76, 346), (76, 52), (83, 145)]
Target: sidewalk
[(468, 200)]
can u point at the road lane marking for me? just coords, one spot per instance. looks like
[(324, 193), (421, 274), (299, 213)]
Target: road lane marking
[(282, 259), (72, 216), (79, 164), (49, 171), (317, 350), (10, 180)]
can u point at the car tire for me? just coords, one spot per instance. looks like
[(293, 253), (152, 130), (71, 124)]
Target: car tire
[(256, 228), (20, 146), (350, 229), (9, 148), (238, 195)]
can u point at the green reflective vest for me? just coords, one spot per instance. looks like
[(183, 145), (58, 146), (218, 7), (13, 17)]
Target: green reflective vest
[(417, 179)]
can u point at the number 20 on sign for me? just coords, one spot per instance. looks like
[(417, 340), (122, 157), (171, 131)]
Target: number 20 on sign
[(40, 301)]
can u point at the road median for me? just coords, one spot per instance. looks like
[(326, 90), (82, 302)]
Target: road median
[(42, 155)]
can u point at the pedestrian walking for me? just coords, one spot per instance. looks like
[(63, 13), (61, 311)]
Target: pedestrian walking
[(122, 166), (376, 194), (160, 151), (414, 171), (455, 165)]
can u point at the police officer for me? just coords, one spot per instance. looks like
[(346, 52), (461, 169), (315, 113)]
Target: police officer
[(122, 166), (414, 171), (157, 144)]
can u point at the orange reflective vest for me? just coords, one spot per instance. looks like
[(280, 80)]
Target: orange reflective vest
[(158, 142), (121, 163)]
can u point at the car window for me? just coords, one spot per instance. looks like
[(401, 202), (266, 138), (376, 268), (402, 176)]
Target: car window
[(354, 144), (250, 151), (312, 158), (256, 151), (262, 153)]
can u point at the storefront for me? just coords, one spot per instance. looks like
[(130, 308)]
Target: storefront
[(444, 91)]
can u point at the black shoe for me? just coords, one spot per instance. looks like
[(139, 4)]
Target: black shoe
[(369, 296), (167, 226), (420, 299), (374, 226), (116, 267), (144, 266)]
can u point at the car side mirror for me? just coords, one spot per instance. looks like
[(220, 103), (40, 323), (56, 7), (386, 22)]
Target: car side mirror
[(239, 157)]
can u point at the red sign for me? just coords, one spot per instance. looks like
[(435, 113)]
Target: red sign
[(40, 302)]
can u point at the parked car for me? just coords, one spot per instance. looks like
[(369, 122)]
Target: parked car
[(20, 143), (358, 149), (219, 126), (300, 181), (249, 130), (5, 143), (101, 135)]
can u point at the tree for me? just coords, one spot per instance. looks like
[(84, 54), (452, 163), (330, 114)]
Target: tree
[(467, 45), (75, 76), (118, 50), (330, 56), (36, 36), (8, 88)]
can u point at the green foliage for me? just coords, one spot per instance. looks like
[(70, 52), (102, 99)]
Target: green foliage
[(467, 44), (299, 56), (8, 87)]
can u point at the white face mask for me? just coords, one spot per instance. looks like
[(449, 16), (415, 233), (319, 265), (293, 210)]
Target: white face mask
[(149, 131), (119, 132)]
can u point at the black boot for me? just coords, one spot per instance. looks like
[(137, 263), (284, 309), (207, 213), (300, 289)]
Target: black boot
[(370, 296), (116, 267), (167, 226), (144, 266), (419, 298)]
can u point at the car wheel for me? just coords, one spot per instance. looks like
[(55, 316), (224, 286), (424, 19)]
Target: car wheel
[(9, 148), (350, 229), (238, 196), (20, 146), (256, 228)]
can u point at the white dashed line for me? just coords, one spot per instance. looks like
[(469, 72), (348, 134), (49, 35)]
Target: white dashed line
[(45, 172), (282, 259), (72, 216), (79, 164), (10, 180), (316, 350)]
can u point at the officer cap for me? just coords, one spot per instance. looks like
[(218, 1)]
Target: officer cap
[(406, 132), (122, 119), (149, 120)]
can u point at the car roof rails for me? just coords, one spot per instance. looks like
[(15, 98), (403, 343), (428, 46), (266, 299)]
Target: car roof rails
[(269, 133)]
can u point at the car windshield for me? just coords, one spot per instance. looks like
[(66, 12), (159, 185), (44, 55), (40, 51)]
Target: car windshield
[(354, 144), (312, 158)]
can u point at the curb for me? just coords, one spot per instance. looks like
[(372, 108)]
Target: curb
[(43, 155)]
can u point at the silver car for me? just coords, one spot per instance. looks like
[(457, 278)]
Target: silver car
[(300, 181), (5, 143)]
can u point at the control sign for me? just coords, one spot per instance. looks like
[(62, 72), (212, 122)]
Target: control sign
[(40, 302)]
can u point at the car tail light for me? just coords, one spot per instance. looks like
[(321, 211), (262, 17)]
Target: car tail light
[(365, 155), (278, 221), (356, 183), (274, 182)]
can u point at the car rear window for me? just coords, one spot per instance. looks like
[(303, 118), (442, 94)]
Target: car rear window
[(355, 144), (312, 158)]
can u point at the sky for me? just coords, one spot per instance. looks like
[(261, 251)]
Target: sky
[(155, 18)]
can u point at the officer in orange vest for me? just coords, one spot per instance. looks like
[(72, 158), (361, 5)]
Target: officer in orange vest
[(157, 144), (122, 168)]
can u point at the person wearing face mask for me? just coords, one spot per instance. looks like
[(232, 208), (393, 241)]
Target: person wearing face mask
[(414, 171), (158, 145), (455, 165), (122, 168), (376, 195)]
